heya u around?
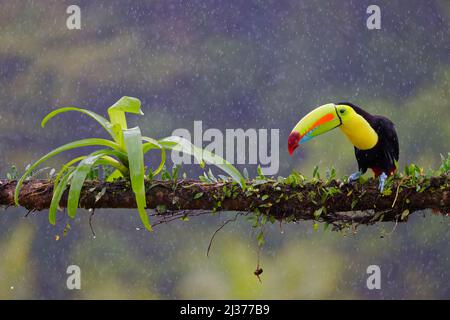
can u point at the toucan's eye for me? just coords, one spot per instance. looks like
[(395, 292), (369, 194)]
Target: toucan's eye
[(342, 111)]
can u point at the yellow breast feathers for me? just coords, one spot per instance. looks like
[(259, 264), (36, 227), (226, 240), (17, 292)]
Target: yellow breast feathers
[(359, 132)]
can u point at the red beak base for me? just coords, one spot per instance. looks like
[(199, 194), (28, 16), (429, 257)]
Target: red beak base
[(293, 141)]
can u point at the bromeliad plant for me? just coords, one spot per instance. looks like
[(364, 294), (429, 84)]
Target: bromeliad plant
[(125, 153)]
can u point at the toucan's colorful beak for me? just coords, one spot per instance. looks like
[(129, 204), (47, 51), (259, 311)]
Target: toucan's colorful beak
[(317, 122)]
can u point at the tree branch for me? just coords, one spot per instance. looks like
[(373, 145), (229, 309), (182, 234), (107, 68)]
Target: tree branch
[(334, 202)]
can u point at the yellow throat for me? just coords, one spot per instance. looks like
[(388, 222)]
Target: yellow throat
[(359, 132)]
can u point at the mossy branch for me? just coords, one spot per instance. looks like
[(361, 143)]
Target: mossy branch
[(330, 201)]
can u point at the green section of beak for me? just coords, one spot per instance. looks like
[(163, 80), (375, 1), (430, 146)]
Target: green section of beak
[(320, 120)]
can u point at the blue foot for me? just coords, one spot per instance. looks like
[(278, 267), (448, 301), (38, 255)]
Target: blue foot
[(354, 176), (382, 178)]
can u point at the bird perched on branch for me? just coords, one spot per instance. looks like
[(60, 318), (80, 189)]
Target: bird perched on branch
[(374, 137)]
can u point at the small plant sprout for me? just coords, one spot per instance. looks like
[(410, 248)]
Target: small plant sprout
[(445, 166), (124, 152)]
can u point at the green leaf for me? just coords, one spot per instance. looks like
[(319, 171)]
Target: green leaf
[(405, 214), (396, 164), (294, 179), (125, 104), (57, 195), (115, 175), (117, 115), (259, 171), (79, 176), (102, 121), (445, 166), (152, 144), (198, 195), (13, 174), (104, 159), (109, 161), (265, 197), (133, 144), (331, 173), (245, 173), (165, 175), (64, 168), (175, 171), (318, 213), (211, 176), (183, 145), (222, 177), (69, 146), (316, 172)]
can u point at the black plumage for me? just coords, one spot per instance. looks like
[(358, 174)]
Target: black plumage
[(385, 154)]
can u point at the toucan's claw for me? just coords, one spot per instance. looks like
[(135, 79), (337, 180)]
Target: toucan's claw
[(382, 178), (354, 176)]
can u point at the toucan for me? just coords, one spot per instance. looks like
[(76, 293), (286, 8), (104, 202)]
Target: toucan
[(373, 137)]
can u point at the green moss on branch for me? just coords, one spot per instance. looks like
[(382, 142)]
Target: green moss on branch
[(287, 199)]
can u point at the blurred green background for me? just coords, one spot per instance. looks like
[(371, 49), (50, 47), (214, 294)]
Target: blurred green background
[(231, 64)]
